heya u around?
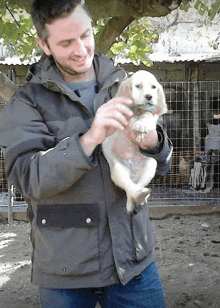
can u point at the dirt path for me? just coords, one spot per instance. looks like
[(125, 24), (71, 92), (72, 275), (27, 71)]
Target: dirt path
[(188, 257)]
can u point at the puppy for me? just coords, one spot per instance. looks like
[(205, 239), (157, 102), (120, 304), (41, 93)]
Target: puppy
[(130, 169)]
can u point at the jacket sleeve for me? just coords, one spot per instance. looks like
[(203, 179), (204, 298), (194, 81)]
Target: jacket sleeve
[(34, 163), (162, 152)]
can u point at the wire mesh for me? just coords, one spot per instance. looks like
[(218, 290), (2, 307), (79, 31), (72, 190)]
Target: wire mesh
[(193, 125)]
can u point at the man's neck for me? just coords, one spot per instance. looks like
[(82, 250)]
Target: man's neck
[(89, 75)]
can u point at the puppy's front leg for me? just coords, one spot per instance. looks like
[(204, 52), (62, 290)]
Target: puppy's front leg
[(143, 123)]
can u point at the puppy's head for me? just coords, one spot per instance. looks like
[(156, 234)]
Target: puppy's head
[(145, 91)]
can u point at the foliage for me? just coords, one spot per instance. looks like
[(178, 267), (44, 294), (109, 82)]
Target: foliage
[(202, 7), (18, 34), (134, 42), (17, 31)]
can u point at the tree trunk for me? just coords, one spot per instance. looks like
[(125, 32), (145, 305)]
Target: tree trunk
[(7, 87), (111, 31), (134, 8)]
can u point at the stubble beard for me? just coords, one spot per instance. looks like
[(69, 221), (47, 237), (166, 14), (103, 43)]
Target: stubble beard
[(69, 73)]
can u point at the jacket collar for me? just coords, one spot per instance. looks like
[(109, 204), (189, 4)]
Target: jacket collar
[(46, 72)]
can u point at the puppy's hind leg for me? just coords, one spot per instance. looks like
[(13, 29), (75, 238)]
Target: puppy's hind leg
[(120, 175), (148, 172)]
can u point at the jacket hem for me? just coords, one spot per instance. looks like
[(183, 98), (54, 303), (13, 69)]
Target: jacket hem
[(93, 281)]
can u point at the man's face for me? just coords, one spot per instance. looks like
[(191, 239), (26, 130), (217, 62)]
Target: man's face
[(71, 42)]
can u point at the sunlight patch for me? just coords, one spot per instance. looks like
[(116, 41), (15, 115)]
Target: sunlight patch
[(10, 267), (7, 235), (4, 279), (5, 243)]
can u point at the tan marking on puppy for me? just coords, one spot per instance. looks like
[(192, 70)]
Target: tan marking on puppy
[(130, 169)]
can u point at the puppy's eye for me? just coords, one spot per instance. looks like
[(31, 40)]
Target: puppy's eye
[(153, 87), (139, 86)]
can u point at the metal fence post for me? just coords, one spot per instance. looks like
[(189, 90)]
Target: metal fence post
[(10, 203)]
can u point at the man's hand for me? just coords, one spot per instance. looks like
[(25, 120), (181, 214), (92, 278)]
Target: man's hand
[(112, 116), (144, 141)]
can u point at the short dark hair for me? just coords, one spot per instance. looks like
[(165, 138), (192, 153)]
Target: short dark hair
[(46, 11)]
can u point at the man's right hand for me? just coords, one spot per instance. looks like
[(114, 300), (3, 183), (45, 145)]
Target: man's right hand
[(111, 116)]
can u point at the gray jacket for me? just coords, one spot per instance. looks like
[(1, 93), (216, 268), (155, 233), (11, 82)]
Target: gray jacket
[(82, 234)]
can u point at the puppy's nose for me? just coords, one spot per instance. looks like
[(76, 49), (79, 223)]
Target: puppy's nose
[(148, 97)]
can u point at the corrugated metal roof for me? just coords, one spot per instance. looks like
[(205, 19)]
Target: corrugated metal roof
[(15, 60), (7, 59), (157, 57)]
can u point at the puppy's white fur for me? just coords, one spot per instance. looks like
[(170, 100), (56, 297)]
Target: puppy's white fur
[(130, 169)]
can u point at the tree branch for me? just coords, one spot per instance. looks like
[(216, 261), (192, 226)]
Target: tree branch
[(135, 8), (174, 22), (112, 29), (17, 23)]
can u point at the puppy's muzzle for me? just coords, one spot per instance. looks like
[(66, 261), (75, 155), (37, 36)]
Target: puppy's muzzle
[(148, 97), (142, 108)]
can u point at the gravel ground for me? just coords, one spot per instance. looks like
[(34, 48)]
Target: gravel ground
[(188, 257)]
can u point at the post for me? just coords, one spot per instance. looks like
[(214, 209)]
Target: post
[(10, 203), (196, 107)]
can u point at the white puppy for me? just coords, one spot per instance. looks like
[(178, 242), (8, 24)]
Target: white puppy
[(130, 169)]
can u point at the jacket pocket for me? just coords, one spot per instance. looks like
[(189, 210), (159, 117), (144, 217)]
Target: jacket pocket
[(67, 215), (142, 234), (66, 242)]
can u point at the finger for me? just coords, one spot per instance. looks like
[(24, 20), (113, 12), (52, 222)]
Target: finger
[(122, 100), (119, 102), (120, 117), (125, 110), (113, 123), (113, 118), (119, 111), (117, 114)]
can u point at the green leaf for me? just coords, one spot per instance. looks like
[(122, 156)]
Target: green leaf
[(202, 9), (214, 10)]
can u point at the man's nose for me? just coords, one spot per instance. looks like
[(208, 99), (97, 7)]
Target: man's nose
[(80, 49)]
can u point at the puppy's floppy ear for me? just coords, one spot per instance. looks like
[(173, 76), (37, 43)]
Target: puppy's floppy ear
[(125, 88), (161, 101)]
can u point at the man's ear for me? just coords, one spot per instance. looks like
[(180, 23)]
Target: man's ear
[(43, 45)]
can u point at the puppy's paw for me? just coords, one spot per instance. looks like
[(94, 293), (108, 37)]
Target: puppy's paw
[(140, 128), (139, 197), (143, 196), (140, 137)]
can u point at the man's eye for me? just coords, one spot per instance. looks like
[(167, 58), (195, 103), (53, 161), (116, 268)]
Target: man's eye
[(87, 34), (66, 44)]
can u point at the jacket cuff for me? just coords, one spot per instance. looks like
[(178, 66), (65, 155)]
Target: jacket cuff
[(157, 148), (92, 159), (162, 153)]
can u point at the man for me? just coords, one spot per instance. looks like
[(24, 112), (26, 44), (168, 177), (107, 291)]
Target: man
[(86, 246)]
